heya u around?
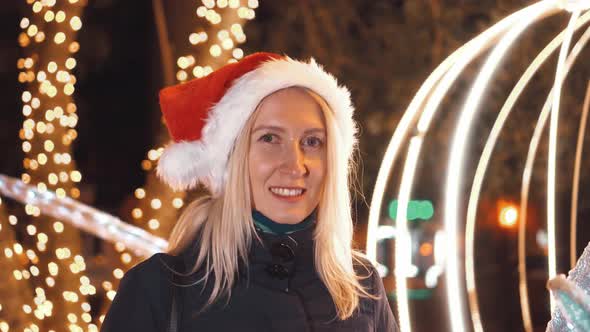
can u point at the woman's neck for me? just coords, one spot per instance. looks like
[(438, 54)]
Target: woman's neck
[(268, 225)]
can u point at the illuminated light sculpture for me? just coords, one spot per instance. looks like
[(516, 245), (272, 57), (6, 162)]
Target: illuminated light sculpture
[(421, 111), (84, 217)]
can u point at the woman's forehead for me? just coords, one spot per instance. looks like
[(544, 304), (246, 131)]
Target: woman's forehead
[(289, 107)]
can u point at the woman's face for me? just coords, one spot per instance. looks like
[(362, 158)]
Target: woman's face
[(287, 157)]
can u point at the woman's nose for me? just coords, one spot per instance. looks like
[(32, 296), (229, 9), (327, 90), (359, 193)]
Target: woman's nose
[(294, 161)]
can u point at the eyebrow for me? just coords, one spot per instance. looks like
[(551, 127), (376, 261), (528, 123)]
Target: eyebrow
[(282, 130)]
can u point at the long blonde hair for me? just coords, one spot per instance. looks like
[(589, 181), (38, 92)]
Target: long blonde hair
[(226, 228)]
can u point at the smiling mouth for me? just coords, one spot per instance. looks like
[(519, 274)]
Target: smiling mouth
[(287, 192)]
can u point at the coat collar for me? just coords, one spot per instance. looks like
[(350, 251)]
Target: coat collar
[(274, 261)]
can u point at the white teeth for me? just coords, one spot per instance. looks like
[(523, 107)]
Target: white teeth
[(286, 192)]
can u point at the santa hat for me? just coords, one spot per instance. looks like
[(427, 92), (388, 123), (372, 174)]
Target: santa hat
[(205, 116)]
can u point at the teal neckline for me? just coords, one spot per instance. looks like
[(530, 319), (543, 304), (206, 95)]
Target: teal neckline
[(267, 225)]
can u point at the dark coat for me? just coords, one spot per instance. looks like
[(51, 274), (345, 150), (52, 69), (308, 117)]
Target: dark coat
[(280, 291)]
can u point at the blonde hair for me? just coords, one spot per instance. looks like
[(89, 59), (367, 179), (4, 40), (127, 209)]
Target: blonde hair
[(225, 226)]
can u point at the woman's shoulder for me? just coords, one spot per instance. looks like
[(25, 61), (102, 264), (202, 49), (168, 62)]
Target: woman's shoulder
[(155, 269)]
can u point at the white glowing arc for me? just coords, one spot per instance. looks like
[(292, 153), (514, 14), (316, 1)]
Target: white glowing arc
[(483, 164), (440, 81), (576, 179)]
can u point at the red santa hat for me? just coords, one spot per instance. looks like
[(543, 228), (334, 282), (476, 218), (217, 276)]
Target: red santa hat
[(204, 116)]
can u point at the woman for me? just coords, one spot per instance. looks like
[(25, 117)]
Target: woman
[(269, 249)]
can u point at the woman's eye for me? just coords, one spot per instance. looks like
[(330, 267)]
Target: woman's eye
[(313, 141), (267, 138)]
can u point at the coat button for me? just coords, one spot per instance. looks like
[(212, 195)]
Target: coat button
[(286, 290), (277, 271)]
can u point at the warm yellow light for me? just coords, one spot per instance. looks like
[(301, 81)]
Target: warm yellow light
[(40, 36), (60, 192), (139, 193), (156, 203), (198, 71), (8, 252), (215, 50), (181, 75), (241, 38), (107, 285), (69, 89), (236, 29), (146, 165), (221, 3), (42, 237), (118, 273), (18, 275), (59, 38), (227, 44), (53, 268), (27, 308), (177, 202), (52, 67), (76, 176), (60, 16), (74, 47), (35, 103), (42, 158), (234, 3), (52, 178), (86, 317), (137, 213), (182, 62), (76, 23), (37, 7), (13, 220), (28, 63), (58, 227), (63, 176), (71, 63), (201, 11), (26, 146), (41, 127), (209, 3), (32, 230), (26, 96), (253, 4), (48, 145), (50, 281), (31, 255), (508, 216), (222, 34), (72, 318), (24, 23), (153, 224), (193, 38), (49, 16), (23, 39), (111, 294), (126, 258)]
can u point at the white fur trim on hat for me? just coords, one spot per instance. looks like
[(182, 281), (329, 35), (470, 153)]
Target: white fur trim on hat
[(184, 164)]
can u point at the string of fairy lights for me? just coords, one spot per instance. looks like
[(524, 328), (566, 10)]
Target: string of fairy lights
[(50, 254)]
